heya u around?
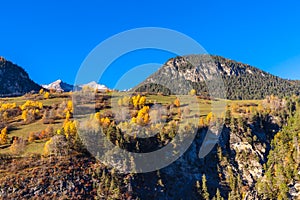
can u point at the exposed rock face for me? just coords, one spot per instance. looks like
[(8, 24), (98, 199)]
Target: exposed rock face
[(61, 177), (14, 80), (251, 168), (235, 151)]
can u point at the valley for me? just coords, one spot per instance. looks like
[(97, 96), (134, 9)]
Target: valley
[(248, 132), (65, 143)]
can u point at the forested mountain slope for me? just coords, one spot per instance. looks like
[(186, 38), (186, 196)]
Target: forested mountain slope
[(241, 81)]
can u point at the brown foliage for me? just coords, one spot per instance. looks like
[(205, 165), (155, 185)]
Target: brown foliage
[(18, 146)]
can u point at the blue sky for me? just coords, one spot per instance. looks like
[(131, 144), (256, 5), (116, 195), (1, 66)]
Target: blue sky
[(50, 39)]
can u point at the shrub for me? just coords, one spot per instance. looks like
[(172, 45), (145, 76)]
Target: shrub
[(33, 136), (57, 145), (18, 146)]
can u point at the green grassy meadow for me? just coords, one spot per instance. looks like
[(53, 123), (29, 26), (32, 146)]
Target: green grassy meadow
[(197, 107)]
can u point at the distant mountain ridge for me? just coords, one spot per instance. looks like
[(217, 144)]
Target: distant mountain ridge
[(14, 80), (61, 86), (241, 81)]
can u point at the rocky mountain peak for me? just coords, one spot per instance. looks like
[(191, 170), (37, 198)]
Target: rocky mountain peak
[(2, 59), (58, 81), (14, 80), (242, 81)]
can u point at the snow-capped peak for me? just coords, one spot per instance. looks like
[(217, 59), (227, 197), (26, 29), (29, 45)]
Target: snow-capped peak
[(95, 85), (59, 86)]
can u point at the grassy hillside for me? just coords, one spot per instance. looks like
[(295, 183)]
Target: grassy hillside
[(40, 136), (18, 128)]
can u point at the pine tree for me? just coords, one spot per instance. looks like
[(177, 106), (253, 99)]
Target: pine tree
[(112, 185), (218, 195), (205, 193), (198, 188), (201, 122), (228, 117), (220, 153)]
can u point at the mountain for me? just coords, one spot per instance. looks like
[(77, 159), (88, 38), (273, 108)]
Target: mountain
[(59, 86), (94, 85), (14, 80), (241, 81)]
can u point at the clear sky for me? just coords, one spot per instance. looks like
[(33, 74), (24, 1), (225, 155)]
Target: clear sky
[(50, 39)]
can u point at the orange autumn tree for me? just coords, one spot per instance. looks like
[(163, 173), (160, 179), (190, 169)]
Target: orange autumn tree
[(177, 102)]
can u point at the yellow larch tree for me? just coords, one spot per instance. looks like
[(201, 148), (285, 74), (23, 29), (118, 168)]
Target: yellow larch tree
[(46, 95), (3, 136), (142, 101), (41, 91), (193, 92)]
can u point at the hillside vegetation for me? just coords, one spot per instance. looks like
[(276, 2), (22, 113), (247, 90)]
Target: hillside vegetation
[(256, 156), (71, 145)]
